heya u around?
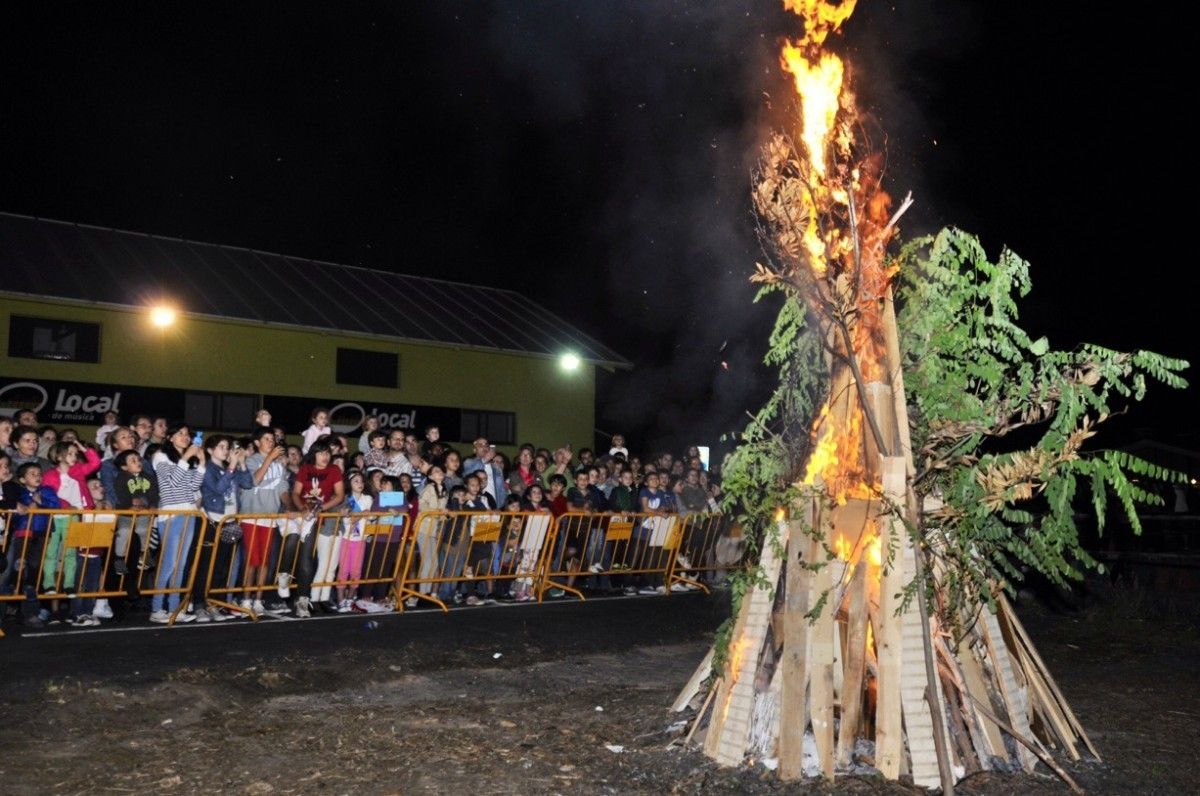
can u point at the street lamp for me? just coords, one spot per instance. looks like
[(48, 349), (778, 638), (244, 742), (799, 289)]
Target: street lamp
[(569, 362), (162, 316)]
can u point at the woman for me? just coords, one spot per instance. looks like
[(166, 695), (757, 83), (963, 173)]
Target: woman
[(47, 439), (225, 474), (453, 469), (434, 497), (319, 487), (179, 466), (523, 474)]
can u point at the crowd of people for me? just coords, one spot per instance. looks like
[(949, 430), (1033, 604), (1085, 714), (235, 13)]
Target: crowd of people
[(151, 463)]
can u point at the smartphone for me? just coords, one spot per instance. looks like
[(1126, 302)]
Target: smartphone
[(198, 439)]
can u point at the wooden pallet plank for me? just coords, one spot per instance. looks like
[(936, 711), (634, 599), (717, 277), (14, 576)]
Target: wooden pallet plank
[(793, 718), (856, 659)]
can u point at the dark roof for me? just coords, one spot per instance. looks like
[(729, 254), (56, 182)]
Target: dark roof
[(56, 259)]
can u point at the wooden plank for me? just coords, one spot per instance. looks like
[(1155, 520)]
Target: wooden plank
[(856, 661), (1014, 699), (715, 724), (821, 685), (694, 682), (793, 718), (889, 740), (729, 745), (918, 723), (1023, 637), (1039, 693), (990, 743), (891, 339)]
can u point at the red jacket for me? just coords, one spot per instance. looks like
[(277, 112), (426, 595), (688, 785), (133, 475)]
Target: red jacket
[(78, 472)]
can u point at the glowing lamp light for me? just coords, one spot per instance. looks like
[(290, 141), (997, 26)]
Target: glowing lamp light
[(569, 362), (162, 317)]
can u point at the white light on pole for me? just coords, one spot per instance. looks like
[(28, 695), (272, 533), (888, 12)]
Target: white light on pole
[(162, 317), (569, 362)]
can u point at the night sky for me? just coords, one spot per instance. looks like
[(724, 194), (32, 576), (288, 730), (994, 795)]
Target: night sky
[(596, 156)]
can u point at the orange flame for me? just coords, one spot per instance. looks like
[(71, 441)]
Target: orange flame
[(827, 124)]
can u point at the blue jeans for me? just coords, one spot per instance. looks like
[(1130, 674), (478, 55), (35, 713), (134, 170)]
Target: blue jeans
[(90, 569), (176, 533)]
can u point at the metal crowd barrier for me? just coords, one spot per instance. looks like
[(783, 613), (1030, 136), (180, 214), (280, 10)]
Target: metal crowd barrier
[(636, 548), (698, 557), (307, 549), (455, 551), (70, 554)]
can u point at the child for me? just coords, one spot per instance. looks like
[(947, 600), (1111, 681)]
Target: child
[(618, 446), (69, 481), (370, 427), (110, 425), (135, 491), (376, 453), (319, 428), (28, 539), (353, 542), (101, 610)]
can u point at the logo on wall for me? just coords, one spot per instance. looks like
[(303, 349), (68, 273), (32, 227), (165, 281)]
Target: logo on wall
[(22, 395)]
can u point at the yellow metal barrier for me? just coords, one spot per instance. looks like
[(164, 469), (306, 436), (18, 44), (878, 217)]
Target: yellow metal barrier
[(320, 553), (697, 558), (70, 554), (638, 548), (450, 551)]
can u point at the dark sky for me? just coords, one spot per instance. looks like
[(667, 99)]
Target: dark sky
[(596, 156)]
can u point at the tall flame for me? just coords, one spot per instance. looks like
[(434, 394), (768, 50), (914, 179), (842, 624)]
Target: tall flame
[(833, 182)]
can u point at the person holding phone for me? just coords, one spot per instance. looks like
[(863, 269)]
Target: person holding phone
[(179, 465)]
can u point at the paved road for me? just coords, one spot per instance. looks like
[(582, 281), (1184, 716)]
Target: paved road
[(143, 652)]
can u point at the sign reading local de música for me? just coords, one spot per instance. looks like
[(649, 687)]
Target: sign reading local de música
[(85, 403)]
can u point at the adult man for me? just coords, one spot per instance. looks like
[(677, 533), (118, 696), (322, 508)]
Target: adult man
[(484, 459), (397, 455), (26, 417)]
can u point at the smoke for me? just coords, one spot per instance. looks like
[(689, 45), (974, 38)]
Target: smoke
[(678, 99)]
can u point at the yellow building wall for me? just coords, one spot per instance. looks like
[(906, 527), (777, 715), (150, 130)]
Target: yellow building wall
[(552, 406)]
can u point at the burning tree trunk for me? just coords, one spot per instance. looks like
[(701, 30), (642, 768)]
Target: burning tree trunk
[(834, 646)]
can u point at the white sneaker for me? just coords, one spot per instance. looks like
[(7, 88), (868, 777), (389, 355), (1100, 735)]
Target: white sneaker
[(344, 606), (83, 620), (596, 568), (284, 587), (101, 610), (160, 617), (411, 602), (257, 606), (678, 587), (218, 614), (647, 590), (202, 615), (246, 604), (184, 618), (683, 562), (303, 608)]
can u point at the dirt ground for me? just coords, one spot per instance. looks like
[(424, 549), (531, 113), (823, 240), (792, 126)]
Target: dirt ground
[(499, 711)]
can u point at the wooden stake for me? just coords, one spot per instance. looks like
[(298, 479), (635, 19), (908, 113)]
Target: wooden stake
[(793, 720), (889, 740), (821, 682), (856, 652)]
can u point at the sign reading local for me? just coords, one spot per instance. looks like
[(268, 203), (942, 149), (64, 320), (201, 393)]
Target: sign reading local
[(63, 402), (346, 417)]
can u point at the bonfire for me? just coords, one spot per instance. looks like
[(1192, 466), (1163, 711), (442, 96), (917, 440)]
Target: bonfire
[(837, 660)]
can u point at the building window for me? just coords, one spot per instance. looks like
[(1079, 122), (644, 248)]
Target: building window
[(500, 428), (368, 368), (212, 411), (51, 338)]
